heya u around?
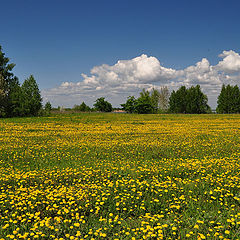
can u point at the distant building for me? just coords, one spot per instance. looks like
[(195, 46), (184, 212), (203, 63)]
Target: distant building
[(119, 111)]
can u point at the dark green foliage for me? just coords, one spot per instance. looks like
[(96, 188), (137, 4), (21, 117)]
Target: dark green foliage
[(48, 106), (6, 67), (148, 102), (47, 109), (223, 101), (144, 103), (229, 99), (155, 95), (103, 106), (82, 107), (6, 79), (32, 97), (178, 101), (15, 99), (196, 101), (3, 96), (129, 106), (191, 100)]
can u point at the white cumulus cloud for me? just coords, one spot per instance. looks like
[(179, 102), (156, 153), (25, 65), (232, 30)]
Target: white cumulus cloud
[(142, 69), (230, 62)]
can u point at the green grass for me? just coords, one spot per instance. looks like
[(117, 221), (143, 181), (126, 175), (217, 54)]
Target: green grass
[(120, 176)]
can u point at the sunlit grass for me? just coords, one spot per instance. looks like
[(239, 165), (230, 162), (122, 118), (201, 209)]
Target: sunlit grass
[(120, 176)]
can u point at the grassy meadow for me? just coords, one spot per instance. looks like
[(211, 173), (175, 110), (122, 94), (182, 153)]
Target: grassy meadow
[(120, 176)]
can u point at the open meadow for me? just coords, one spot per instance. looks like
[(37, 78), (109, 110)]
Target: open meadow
[(120, 176)]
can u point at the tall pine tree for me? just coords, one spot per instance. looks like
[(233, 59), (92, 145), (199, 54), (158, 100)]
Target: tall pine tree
[(15, 99), (7, 78), (32, 97)]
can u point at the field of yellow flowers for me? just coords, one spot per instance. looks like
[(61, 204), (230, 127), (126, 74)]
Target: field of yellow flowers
[(120, 176)]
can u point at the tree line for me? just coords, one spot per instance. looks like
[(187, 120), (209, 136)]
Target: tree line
[(25, 100), (184, 100), (18, 100)]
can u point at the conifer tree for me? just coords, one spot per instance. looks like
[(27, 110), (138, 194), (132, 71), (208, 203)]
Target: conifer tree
[(7, 78), (32, 97), (15, 99)]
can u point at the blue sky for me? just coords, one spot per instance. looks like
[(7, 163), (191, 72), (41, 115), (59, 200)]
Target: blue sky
[(57, 41)]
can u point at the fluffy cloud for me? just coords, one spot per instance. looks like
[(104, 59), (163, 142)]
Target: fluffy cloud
[(202, 73), (138, 70), (230, 62), (129, 77)]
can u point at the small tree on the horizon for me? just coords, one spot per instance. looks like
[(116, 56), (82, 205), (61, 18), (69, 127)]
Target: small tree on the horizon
[(48, 108), (144, 103), (83, 107), (129, 106), (102, 105)]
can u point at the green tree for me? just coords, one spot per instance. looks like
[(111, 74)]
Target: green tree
[(102, 105), (191, 100), (3, 95), (6, 67), (222, 103), (155, 95), (32, 97), (229, 99), (82, 107), (48, 107), (46, 111), (144, 103), (235, 104), (15, 104), (178, 101), (6, 78), (129, 106), (196, 101)]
